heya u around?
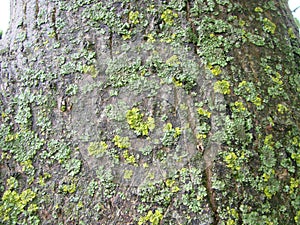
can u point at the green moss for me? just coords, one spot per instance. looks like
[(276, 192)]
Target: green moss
[(268, 141), (268, 193), (242, 23), (150, 38), (63, 108), (234, 216), (201, 136)]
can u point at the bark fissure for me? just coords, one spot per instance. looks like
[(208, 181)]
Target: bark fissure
[(37, 9), (211, 193), (53, 20), (110, 44), (193, 28), (24, 13)]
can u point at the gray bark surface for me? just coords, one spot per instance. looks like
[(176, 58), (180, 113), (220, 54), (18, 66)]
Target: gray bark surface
[(150, 112)]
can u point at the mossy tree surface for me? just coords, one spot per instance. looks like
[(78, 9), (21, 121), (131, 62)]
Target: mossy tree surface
[(150, 112)]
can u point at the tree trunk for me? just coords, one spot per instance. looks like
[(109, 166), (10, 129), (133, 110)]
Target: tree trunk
[(150, 112)]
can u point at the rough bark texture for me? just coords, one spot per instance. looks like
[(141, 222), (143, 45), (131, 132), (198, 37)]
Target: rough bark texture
[(150, 112)]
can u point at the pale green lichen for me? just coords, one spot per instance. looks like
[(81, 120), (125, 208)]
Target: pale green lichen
[(215, 40), (203, 112), (168, 16), (216, 70), (136, 121), (269, 26), (97, 148), (129, 158), (222, 87), (13, 205), (171, 135), (134, 17), (281, 108), (121, 142), (153, 218), (258, 10), (128, 174)]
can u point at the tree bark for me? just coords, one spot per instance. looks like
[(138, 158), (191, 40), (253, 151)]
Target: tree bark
[(150, 112)]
